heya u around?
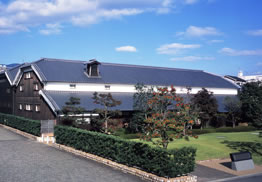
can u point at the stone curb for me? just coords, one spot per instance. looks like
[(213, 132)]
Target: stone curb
[(124, 168)]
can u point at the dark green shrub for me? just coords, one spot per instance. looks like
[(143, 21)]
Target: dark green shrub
[(155, 160), (27, 125)]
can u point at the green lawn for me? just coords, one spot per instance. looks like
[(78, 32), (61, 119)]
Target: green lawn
[(219, 145)]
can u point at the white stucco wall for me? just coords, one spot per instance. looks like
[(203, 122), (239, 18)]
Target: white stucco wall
[(90, 87)]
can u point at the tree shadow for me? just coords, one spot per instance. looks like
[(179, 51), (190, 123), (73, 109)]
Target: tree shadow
[(253, 147)]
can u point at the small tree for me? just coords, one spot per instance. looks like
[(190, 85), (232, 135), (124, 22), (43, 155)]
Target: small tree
[(251, 98), (233, 107), (107, 102), (70, 109), (140, 106), (206, 104), (167, 112)]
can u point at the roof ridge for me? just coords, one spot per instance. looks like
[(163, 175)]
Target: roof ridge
[(150, 67), (62, 60)]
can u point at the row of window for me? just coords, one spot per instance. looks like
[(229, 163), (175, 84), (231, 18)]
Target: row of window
[(36, 87), (29, 107), (73, 86)]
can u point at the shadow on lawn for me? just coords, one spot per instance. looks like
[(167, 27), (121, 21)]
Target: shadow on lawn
[(253, 147)]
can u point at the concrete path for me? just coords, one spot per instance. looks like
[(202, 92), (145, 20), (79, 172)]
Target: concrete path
[(24, 160)]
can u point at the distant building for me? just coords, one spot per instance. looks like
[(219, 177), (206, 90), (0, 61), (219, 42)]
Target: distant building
[(236, 80), (39, 90), (2, 68), (249, 78)]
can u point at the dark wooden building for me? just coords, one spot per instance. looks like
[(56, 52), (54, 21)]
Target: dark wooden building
[(39, 90), (19, 95), (6, 95)]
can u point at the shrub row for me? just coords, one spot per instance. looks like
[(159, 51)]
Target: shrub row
[(161, 162), (224, 129), (27, 125)]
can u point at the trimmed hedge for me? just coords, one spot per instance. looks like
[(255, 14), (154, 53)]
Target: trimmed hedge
[(161, 162), (27, 125), (224, 130)]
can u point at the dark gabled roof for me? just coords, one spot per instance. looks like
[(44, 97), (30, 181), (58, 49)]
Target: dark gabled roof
[(11, 72), (58, 99), (55, 70), (235, 78)]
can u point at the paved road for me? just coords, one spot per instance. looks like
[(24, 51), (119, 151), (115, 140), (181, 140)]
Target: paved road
[(249, 178), (206, 174), (24, 160)]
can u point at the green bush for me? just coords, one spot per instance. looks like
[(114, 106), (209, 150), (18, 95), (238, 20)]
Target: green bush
[(27, 125), (155, 160)]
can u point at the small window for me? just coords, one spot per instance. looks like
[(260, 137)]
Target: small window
[(107, 87), (37, 108), (21, 89), (28, 75), (72, 86), (20, 107), (36, 88), (28, 107)]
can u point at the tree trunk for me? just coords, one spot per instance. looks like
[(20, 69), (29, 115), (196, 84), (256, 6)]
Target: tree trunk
[(234, 122), (106, 130)]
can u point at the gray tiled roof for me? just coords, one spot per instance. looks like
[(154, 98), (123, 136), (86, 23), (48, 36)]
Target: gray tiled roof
[(55, 70), (12, 72), (58, 99)]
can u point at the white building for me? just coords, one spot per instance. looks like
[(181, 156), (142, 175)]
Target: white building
[(249, 78)]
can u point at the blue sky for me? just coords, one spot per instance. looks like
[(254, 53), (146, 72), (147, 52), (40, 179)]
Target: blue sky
[(218, 36)]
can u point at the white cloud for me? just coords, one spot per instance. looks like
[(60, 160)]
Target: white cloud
[(9, 26), (126, 49), (175, 48), (215, 41), (191, 58), (194, 31), (87, 19), (233, 52), (24, 14), (51, 29), (255, 32)]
